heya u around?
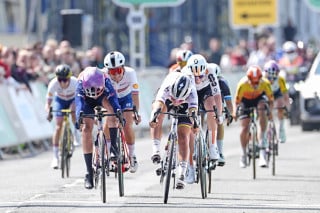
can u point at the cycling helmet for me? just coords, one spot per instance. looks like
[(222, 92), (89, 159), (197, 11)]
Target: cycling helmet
[(183, 55), (114, 59), (271, 70), (216, 69), (289, 47), (93, 82), (63, 71), (254, 74), (197, 64), (181, 88)]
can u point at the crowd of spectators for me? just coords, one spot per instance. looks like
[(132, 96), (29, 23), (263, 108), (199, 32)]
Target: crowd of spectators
[(37, 62)]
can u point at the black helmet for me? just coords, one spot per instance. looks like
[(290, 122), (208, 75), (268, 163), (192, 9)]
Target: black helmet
[(63, 71)]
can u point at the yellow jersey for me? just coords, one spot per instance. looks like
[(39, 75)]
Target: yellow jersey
[(246, 91)]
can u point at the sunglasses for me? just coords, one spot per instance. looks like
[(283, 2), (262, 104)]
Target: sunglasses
[(63, 79), (117, 70), (199, 76)]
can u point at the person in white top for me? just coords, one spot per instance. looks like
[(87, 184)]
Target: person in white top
[(209, 95), (61, 90), (125, 83), (176, 90)]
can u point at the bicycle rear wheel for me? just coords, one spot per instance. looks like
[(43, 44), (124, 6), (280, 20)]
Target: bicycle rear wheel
[(202, 163), (120, 164), (272, 144), (169, 167)]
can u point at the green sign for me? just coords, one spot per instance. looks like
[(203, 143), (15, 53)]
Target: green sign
[(148, 3), (313, 4)]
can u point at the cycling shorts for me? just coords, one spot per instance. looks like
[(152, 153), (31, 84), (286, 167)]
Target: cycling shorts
[(126, 102), (61, 104), (183, 109), (248, 103)]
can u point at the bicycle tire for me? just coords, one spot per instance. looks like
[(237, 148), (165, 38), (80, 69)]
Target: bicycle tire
[(69, 150), (102, 151), (63, 150), (209, 171), (254, 151), (201, 162), (120, 164), (169, 167), (273, 148)]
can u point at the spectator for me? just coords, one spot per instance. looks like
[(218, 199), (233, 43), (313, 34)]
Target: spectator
[(289, 31), (215, 53)]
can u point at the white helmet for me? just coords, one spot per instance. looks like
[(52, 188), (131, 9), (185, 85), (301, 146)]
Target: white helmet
[(181, 88), (289, 47), (216, 69), (114, 59), (197, 64), (183, 55)]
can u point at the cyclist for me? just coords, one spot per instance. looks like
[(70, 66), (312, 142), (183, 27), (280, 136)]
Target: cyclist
[(93, 89), (124, 81), (253, 91), (182, 57), (280, 93), (176, 90), (62, 89), (209, 95)]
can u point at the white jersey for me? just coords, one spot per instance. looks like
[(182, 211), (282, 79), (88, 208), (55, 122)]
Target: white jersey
[(209, 78), (54, 89), (128, 84), (164, 91)]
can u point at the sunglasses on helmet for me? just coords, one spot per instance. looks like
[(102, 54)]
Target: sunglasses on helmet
[(117, 70)]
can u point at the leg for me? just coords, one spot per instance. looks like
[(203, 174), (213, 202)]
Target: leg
[(87, 148), (55, 142)]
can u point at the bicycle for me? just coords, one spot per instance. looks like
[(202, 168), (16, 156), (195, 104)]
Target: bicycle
[(102, 158), (169, 162), (66, 146), (201, 157)]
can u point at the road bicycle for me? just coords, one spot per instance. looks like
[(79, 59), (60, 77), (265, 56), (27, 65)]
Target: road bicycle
[(201, 157), (169, 161), (66, 138), (103, 162), (273, 140)]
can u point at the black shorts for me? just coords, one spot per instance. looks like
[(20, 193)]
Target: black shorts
[(248, 103), (183, 109)]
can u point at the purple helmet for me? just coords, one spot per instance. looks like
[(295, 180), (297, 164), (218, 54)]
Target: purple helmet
[(93, 82), (271, 70)]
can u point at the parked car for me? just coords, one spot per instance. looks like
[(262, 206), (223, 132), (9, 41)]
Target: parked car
[(310, 98)]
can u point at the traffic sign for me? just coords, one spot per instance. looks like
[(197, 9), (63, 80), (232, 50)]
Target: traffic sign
[(148, 3), (248, 13), (313, 5), (136, 19)]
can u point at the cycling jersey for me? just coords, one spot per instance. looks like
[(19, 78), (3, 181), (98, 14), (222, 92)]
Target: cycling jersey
[(208, 79), (245, 91), (225, 89), (86, 104), (279, 87), (54, 89), (128, 84), (290, 67), (164, 91)]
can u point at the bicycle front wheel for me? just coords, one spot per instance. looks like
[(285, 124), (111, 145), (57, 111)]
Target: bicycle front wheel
[(102, 151), (69, 151), (63, 149), (254, 150), (202, 163), (120, 164), (169, 167), (209, 170)]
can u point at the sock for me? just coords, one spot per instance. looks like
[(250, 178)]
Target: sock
[(88, 161), (131, 149), (113, 137), (183, 167), (281, 126), (55, 150), (156, 145), (220, 146)]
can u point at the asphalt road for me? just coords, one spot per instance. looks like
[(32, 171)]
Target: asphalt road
[(28, 184)]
